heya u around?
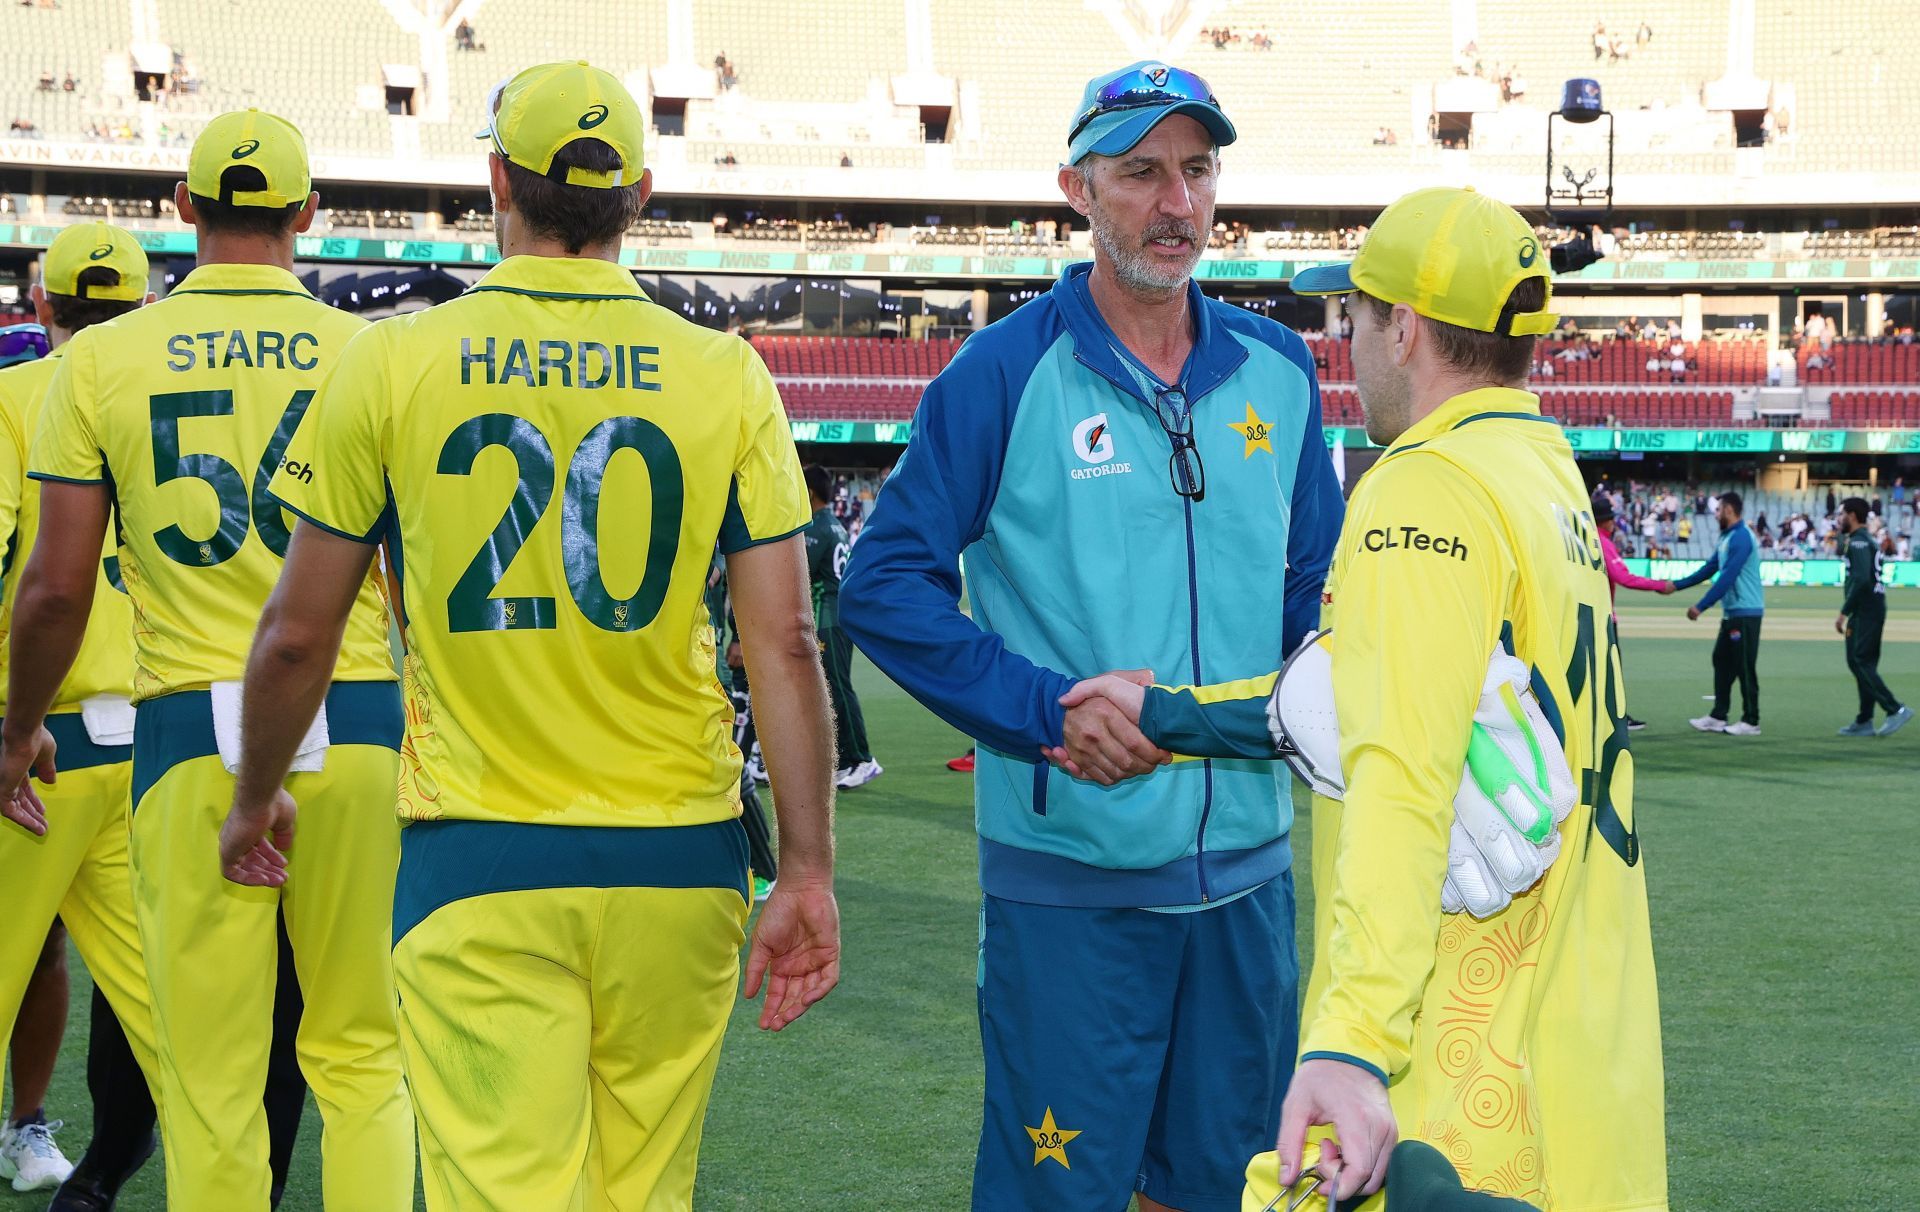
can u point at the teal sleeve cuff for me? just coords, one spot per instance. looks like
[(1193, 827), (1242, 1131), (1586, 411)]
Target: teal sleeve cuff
[(1344, 1058), (1232, 728)]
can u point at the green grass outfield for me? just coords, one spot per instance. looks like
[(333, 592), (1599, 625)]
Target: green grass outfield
[(1782, 873)]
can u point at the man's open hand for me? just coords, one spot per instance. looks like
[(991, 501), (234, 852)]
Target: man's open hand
[(796, 949), (1101, 737)]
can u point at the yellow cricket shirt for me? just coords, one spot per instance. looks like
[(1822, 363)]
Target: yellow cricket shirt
[(561, 456), (183, 408), (105, 662), (1527, 1046)]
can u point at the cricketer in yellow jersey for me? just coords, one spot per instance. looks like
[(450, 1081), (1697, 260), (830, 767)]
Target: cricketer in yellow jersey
[(68, 854), (178, 414), (551, 459), (1525, 1046)]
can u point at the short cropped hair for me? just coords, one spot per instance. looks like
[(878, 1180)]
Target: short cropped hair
[(819, 481), (221, 215), (1732, 501), (1857, 506), (76, 312), (1487, 355), (575, 215)]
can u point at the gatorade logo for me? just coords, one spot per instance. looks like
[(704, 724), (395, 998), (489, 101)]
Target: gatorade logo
[(1529, 252), (246, 149), (593, 117), (101, 253)]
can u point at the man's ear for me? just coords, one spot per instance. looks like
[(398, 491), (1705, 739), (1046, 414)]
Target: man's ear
[(42, 310), (1406, 333), (500, 184), (307, 213), (183, 204), (1074, 186)]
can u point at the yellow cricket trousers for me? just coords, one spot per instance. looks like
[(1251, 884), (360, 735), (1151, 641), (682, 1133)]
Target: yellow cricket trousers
[(563, 994), (79, 873), (212, 952)]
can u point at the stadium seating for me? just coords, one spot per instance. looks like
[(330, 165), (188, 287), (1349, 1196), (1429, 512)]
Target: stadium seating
[(1549, 42), (806, 50), (1876, 410), (855, 357), (1640, 409), (1709, 363), (1861, 362), (1852, 74)]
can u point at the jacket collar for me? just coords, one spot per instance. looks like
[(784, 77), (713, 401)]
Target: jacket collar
[(236, 279), (561, 278), (1481, 404), (1215, 357)]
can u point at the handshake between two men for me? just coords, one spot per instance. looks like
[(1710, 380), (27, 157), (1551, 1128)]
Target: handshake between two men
[(1516, 784)]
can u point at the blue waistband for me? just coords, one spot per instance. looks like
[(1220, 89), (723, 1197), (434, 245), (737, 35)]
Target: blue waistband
[(76, 749), (1013, 874), (178, 727), (446, 861)]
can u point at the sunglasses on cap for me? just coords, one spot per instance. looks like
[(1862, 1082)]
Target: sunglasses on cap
[(22, 343), (1158, 85)]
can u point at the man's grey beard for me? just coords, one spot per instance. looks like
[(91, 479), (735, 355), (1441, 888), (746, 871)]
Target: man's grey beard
[(1133, 267)]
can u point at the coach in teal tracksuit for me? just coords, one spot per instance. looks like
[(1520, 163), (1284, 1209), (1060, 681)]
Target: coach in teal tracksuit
[(1735, 569), (1136, 476)]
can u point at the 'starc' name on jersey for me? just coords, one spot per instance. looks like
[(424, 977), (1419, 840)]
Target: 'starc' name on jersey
[(262, 349), (559, 363)]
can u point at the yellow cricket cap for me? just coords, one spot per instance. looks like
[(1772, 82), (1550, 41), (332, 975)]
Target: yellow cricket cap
[(1453, 255), (258, 140), (531, 116), (89, 244)]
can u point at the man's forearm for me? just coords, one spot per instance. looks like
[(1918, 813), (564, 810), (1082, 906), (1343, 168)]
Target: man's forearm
[(48, 626), (287, 678), (794, 721)]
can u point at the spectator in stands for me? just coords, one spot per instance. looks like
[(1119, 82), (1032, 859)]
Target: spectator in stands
[(846, 160), (1833, 503), (1599, 40), (463, 37), (70, 83), (1624, 329), (47, 84), (1517, 85), (723, 71)]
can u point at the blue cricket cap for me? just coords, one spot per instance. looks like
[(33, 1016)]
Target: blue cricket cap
[(1118, 109)]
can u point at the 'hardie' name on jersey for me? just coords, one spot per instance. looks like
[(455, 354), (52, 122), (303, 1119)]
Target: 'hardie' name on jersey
[(587, 364), (1395, 538), (229, 347)]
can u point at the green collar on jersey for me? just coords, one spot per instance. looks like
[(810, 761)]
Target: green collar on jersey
[(561, 278), (228, 279)]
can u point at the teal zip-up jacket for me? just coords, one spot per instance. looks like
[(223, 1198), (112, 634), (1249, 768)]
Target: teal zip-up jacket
[(1039, 456), (1736, 588)]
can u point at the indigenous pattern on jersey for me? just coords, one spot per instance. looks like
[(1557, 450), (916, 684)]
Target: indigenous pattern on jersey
[(559, 457), (104, 664), (183, 409), (1526, 1046)]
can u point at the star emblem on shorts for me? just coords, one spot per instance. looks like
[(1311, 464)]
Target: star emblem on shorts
[(1050, 1140), (1258, 433)]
